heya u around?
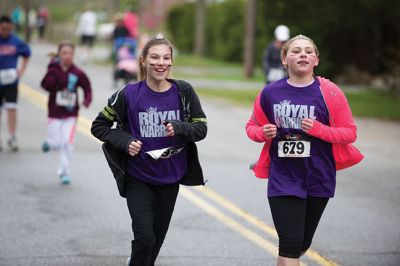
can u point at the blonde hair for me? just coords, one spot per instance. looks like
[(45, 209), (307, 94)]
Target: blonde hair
[(285, 47), (118, 17), (157, 40)]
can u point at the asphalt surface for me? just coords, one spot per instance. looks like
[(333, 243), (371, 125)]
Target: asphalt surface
[(228, 223)]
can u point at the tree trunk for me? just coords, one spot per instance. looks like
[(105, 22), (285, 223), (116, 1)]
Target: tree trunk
[(114, 6), (199, 48), (249, 38)]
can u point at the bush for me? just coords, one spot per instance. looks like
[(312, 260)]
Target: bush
[(225, 30), (180, 24), (363, 34)]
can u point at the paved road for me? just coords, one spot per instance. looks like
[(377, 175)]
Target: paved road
[(228, 223)]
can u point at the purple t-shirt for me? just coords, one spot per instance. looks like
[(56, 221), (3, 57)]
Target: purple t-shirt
[(301, 165), (147, 110), (10, 49)]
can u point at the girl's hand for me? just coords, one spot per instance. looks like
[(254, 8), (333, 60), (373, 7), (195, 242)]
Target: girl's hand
[(307, 124), (134, 147), (269, 131), (169, 129)]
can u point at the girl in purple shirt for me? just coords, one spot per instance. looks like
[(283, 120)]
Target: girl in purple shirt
[(302, 164), (153, 149)]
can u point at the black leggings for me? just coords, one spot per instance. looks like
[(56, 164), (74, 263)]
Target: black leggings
[(296, 220), (151, 209)]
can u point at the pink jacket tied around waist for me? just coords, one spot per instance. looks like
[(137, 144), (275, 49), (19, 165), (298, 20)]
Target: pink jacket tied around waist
[(341, 132)]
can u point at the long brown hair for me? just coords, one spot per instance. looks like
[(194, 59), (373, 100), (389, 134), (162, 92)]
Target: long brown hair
[(157, 40)]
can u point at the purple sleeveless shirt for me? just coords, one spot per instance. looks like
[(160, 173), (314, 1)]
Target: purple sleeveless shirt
[(147, 110), (301, 165)]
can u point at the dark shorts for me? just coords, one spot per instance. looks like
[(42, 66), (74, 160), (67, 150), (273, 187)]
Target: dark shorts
[(8, 96), (87, 40)]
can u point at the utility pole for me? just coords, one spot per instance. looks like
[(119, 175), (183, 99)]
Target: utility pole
[(4, 6), (27, 26), (114, 6), (200, 27), (249, 38)]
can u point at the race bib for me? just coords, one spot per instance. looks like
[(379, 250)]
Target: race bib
[(164, 153), (66, 98), (297, 148), (8, 76)]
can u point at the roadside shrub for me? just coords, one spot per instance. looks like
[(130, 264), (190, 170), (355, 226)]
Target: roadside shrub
[(225, 30), (181, 28)]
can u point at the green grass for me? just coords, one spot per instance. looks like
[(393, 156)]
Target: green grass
[(240, 97), (363, 103), (183, 60), (374, 103), (189, 66)]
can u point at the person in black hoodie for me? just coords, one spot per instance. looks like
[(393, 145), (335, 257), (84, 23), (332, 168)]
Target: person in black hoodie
[(152, 148)]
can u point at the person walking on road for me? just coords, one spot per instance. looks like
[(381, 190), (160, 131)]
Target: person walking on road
[(307, 129), (271, 62), (86, 30), (11, 48), (62, 81), (131, 22), (16, 15), (120, 31), (152, 149), (42, 21)]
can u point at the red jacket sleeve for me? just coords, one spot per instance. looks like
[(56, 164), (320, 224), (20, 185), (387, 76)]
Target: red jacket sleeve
[(254, 126), (342, 129)]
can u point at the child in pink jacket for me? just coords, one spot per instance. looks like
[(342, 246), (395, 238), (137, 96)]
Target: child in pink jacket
[(307, 127)]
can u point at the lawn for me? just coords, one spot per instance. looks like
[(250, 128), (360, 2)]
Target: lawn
[(374, 103), (188, 66)]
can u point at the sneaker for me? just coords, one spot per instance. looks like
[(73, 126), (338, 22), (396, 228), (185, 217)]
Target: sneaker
[(13, 144), (65, 179), (128, 261), (45, 147)]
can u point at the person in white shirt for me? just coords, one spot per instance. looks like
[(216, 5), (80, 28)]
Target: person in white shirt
[(86, 30)]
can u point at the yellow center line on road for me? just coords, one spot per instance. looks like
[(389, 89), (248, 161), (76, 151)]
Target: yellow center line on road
[(83, 124), (40, 100), (212, 211), (313, 255)]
